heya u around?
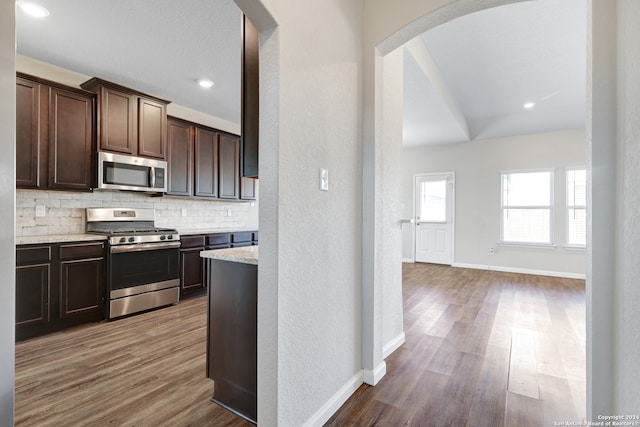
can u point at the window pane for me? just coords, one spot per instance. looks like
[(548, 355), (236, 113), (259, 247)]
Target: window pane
[(577, 188), (433, 205), (577, 227), (526, 189), (526, 225)]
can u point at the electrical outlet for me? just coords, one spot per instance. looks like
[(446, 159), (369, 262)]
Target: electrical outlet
[(492, 251), (41, 211), (183, 211)]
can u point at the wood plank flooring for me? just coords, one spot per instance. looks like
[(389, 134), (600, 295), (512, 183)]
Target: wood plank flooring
[(145, 370), (482, 349)]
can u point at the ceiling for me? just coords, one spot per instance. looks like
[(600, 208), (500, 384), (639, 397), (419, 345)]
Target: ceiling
[(468, 79), (465, 80), (160, 47)]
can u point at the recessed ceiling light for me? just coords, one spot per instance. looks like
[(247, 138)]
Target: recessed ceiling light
[(529, 105), (33, 9), (205, 83)]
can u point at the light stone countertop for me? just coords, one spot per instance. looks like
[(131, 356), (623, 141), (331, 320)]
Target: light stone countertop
[(58, 238), (244, 254), (193, 231)]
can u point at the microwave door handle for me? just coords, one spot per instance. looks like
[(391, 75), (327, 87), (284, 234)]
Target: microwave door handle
[(152, 177)]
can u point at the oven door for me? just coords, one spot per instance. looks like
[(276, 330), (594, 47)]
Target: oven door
[(143, 267)]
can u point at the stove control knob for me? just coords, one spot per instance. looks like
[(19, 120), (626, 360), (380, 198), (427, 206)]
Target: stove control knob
[(163, 237), (123, 239), (132, 239), (170, 237)]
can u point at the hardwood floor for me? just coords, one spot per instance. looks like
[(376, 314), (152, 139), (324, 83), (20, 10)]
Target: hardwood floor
[(145, 370), (482, 349)]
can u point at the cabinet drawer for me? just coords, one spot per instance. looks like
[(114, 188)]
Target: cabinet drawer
[(34, 254), (192, 241), (218, 239), (241, 237), (220, 246), (255, 236), (82, 250)]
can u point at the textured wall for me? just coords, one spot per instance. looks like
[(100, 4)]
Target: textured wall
[(7, 194), (628, 294), (309, 311), (392, 320), (65, 211), (477, 166)]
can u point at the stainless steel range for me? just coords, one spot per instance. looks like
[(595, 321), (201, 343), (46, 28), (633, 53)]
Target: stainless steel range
[(143, 262)]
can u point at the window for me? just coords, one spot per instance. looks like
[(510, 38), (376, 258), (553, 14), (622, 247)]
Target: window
[(526, 207), (577, 207), (433, 201)]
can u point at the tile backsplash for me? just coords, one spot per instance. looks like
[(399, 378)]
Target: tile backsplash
[(64, 212)]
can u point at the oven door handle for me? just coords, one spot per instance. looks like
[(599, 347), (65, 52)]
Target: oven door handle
[(143, 247)]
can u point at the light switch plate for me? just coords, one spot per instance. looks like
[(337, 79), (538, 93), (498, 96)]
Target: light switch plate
[(41, 211), (228, 212), (324, 180)]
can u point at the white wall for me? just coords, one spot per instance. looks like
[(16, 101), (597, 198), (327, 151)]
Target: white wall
[(477, 166), (310, 283), (391, 248), (627, 294), (7, 203)]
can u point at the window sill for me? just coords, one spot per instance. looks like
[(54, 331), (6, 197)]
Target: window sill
[(528, 245), (578, 248)]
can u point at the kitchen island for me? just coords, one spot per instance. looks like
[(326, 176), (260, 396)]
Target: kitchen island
[(232, 328)]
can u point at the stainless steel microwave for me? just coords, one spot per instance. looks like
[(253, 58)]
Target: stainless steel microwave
[(122, 172)]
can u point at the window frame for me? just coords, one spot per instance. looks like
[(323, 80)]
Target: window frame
[(574, 206), (551, 208)]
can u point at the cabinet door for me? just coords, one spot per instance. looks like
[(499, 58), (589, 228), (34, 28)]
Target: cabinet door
[(152, 129), (180, 158), (82, 287), (27, 133), (250, 97), (192, 270), (117, 121), (248, 188), (206, 148), (70, 165), (229, 167), (33, 286)]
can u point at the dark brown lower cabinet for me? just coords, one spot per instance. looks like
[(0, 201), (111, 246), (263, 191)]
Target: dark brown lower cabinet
[(192, 278), (193, 270), (58, 286)]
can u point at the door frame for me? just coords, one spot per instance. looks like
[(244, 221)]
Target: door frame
[(453, 211)]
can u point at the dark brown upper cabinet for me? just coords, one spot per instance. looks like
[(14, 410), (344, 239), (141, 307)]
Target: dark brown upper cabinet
[(27, 133), (180, 158), (250, 41), (229, 167), (248, 188), (131, 122), (203, 162), (54, 129), (206, 151)]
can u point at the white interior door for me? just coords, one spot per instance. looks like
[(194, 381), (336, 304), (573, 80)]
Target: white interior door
[(434, 218)]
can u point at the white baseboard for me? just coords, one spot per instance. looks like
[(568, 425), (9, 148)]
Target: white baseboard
[(392, 345), (335, 402), (520, 270), (372, 377), (409, 260)]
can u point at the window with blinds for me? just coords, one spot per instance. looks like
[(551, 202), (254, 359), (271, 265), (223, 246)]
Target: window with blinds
[(527, 204), (577, 207)]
